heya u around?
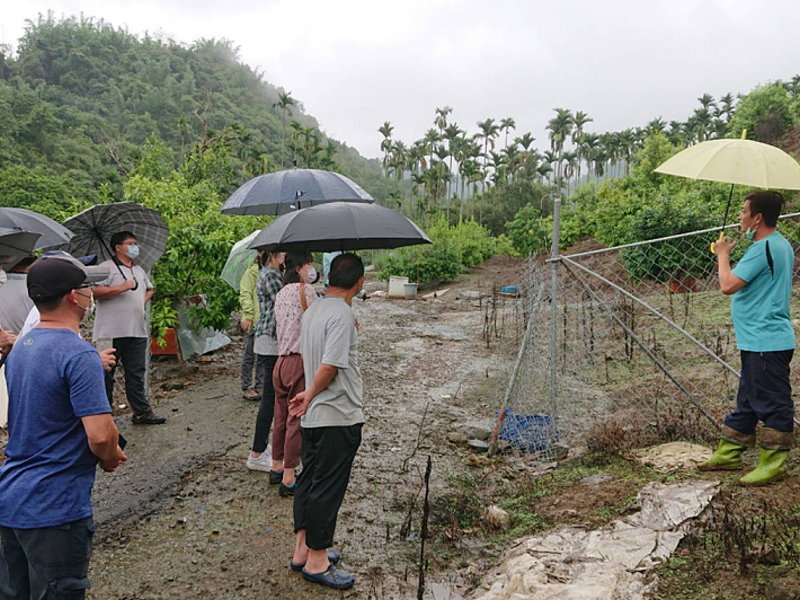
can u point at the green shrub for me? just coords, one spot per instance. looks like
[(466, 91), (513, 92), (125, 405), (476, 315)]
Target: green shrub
[(529, 231), (454, 248), (503, 245), (475, 241)]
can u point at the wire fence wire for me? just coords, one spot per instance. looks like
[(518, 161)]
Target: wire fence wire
[(640, 333)]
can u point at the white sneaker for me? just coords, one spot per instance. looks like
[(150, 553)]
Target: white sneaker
[(263, 462)]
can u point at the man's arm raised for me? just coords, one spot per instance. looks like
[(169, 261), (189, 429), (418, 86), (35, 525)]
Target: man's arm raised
[(728, 282)]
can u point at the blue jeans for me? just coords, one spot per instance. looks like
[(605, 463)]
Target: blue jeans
[(50, 563)]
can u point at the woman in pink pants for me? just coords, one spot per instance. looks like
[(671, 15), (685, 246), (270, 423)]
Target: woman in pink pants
[(288, 379)]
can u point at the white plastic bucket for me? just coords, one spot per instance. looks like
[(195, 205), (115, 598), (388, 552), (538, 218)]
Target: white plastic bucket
[(396, 286)]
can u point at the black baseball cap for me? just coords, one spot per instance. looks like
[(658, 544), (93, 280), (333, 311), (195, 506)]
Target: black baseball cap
[(55, 275)]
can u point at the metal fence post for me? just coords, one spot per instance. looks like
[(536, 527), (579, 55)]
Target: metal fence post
[(147, 357), (554, 258)]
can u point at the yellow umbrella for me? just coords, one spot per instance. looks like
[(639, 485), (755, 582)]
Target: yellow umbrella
[(738, 162)]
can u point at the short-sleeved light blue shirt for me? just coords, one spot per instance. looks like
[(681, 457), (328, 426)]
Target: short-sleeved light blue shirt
[(760, 309)]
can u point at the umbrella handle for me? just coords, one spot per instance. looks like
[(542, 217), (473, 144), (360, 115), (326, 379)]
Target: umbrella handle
[(727, 208), (714, 244)]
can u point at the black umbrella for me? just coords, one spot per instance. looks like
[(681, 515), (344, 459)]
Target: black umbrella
[(285, 191), (339, 226), (15, 242), (52, 233), (94, 227)]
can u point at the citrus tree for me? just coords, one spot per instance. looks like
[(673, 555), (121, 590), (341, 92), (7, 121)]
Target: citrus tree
[(200, 237)]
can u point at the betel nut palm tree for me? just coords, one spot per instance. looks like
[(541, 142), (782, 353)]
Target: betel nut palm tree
[(284, 104)]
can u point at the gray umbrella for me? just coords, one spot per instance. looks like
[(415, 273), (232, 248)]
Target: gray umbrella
[(285, 191), (15, 242), (52, 233), (340, 226), (94, 227)]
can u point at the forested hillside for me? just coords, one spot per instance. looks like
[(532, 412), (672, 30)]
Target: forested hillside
[(92, 113), (80, 97)]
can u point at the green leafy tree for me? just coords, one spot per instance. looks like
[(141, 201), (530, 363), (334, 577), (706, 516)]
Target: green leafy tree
[(766, 113), (200, 237)]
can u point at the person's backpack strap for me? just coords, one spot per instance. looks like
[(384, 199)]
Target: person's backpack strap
[(769, 260), (303, 299)]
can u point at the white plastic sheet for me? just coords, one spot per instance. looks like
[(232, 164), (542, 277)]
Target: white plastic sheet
[(606, 563)]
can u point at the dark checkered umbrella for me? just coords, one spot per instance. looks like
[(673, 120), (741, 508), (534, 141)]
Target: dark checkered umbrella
[(286, 191), (94, 227)]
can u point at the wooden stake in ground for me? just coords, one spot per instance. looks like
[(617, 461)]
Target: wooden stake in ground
[(423, 534)]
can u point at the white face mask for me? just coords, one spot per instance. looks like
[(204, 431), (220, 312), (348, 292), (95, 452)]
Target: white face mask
[(89, 309), (311, 275)]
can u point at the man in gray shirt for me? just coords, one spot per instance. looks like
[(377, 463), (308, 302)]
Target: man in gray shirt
[(15, 304), (332, 416), (120, 319)]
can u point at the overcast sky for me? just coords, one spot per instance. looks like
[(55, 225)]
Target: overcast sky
[(357, 63)]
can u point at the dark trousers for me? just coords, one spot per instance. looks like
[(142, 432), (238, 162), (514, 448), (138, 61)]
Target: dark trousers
[(765, 393), (266, 407), (249, 359), (131, 352), (46, 563), (328, 454)]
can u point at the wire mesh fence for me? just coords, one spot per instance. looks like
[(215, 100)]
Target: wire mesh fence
[(638, 334)]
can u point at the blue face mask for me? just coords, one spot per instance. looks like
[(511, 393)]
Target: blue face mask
[(133, 251), (750, 233)]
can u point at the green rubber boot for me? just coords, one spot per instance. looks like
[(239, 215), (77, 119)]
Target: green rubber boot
[(728, 457), (770, 468)]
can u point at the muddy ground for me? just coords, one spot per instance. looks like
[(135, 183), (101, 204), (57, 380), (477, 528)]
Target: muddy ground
[(185, 518)]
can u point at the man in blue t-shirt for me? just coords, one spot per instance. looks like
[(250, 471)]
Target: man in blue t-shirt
[(60, 428), (761, 284)]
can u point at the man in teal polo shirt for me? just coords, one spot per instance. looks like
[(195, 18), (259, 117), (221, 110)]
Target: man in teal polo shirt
[(761, 285)]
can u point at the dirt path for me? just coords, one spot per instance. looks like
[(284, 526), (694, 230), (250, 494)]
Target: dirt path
[(186, 519)]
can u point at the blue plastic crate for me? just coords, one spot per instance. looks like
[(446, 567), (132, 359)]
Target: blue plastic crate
[(528, 433)]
